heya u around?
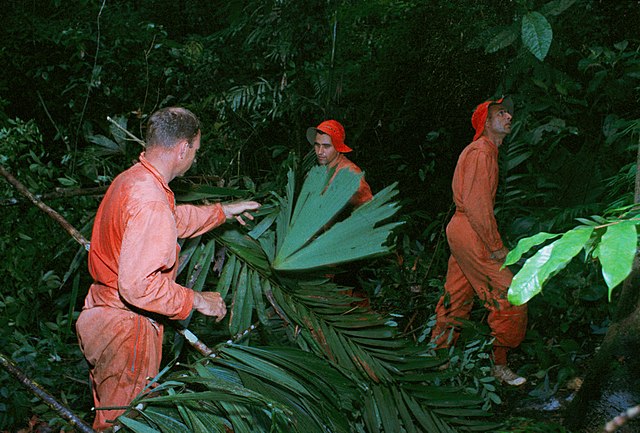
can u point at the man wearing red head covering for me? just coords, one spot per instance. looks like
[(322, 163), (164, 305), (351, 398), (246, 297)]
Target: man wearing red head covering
[(328, 141), (477, 251)]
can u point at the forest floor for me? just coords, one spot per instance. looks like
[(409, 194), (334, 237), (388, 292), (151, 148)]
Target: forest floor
[(538, 403)]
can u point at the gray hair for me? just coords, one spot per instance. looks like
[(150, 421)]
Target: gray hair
[(170, 125)]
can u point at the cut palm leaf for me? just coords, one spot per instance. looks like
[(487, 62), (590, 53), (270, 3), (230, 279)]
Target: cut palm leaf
[(357, 237)]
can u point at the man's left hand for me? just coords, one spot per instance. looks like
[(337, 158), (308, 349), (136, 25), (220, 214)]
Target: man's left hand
[(239, 209), (210, 304)]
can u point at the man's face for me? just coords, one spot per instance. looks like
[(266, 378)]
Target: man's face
[(498, 120), (325, 152)]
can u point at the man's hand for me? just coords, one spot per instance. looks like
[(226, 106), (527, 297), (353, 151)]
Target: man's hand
[(239, 209), (210, 304), (500, 255)]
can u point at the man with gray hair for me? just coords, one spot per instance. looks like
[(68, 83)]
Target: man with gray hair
[(134, 260)]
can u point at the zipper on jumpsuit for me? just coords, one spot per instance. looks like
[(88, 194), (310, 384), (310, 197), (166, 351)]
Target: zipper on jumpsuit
[(135, 345)]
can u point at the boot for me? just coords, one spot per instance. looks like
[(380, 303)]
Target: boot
[(505, 375)]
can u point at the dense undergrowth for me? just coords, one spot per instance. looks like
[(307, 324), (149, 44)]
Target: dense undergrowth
[(258, 74)]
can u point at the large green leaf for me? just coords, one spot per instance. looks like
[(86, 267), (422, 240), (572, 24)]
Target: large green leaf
[(405, 415), (245, 383), (537, 34), (239, 416), (616, 252), (108, 146), (258, 298), (357, 237), (320, 378), (556, 7), (242, 305), (529, 281), (387, 408), (286, 209), (136, 426), (165, 419), (188, 247), (316, 206), (201, 192), (217, 394), (202, 259), (246, 247), (224, 283), (502, 40), (525, 245), (267, 369), (263, 226), (301, 418), (423, 417)]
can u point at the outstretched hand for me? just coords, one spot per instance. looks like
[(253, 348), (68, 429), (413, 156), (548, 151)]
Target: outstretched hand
[(239, 209), (210, 304)]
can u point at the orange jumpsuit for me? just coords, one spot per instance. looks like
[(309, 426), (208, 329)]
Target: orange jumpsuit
[(473, 235), (133, 261), (363, 194)]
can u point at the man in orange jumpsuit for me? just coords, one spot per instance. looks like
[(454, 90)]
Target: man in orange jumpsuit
[(133, 261), (477, 251), (328, 141)]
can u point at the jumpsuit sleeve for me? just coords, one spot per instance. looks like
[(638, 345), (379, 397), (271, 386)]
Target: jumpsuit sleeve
[(147, 259), (480, 182), (192, 221)]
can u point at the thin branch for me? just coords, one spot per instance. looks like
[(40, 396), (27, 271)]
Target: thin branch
[(47, 398), (133, 137), (61, 193), (441, 235), (46, 209), (613, 223), (55, 125), (196, 343), (95, 64), (276, 307), (147, 53)]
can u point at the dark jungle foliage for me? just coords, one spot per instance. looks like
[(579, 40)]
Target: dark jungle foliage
[(403, 77)]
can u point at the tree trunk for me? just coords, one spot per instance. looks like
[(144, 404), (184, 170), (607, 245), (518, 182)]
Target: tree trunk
[(612, 382)]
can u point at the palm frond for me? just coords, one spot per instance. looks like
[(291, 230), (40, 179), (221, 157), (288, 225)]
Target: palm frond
[(249, 389), (314, 209), (351, 369), (357, 237)]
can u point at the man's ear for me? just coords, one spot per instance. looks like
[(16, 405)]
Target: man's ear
[(183, 146)]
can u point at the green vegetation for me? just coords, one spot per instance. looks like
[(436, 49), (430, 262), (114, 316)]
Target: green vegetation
[(403, 77)]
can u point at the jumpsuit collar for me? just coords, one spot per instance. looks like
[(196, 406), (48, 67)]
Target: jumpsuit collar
[(146, 164), (336, 162), (149, 167), (490, 143)]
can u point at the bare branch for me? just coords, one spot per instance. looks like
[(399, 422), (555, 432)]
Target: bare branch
[(131, 136), (61, 193), (46, 209), (50, 401)]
